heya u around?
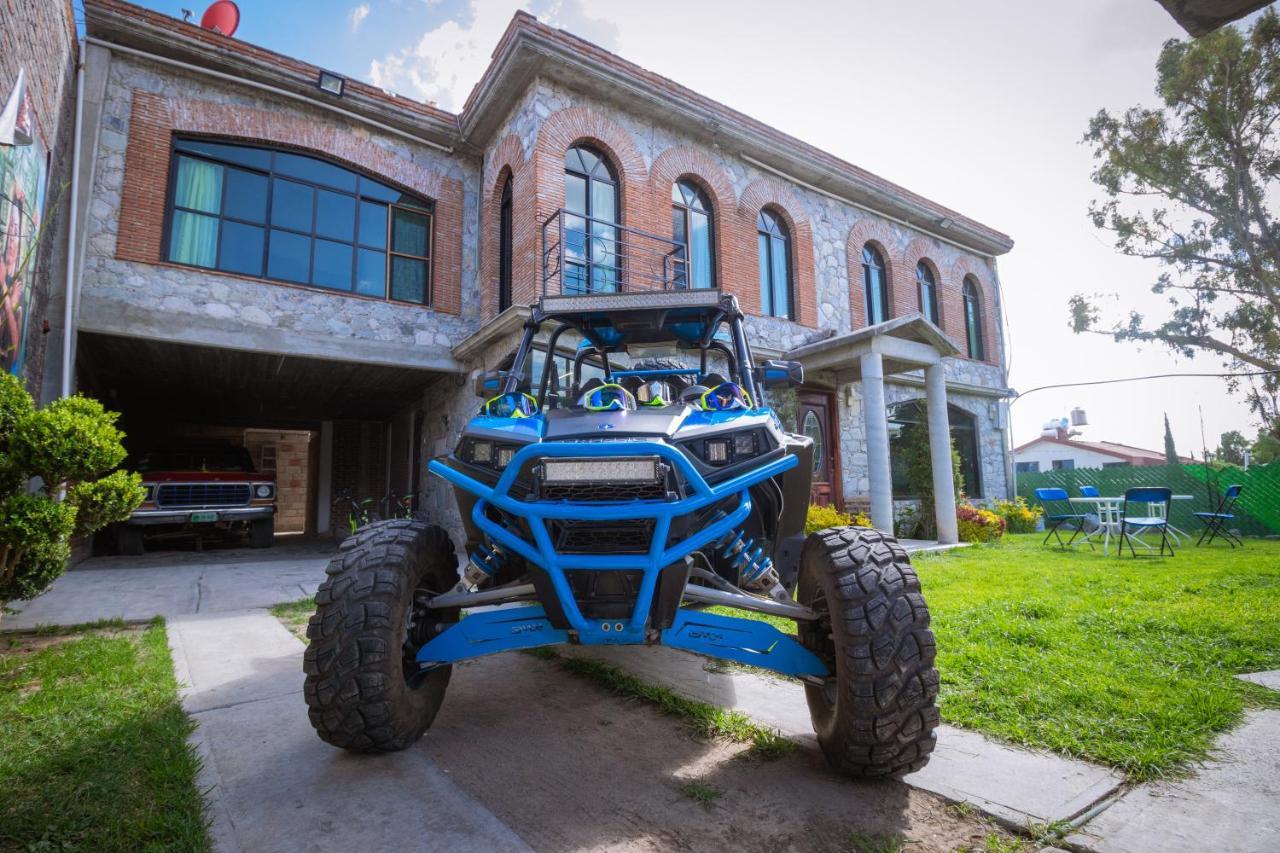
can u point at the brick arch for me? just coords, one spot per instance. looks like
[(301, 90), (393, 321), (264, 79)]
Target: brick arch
[(927, 250), (584, 125), (506, 160), (964, 267), (777, 197), (878, 234), (681, 163), (154, 119)]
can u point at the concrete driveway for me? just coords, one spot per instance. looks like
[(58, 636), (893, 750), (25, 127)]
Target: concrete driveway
[(176, 582)]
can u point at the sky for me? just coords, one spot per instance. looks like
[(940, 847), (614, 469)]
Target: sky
[(979, 106)]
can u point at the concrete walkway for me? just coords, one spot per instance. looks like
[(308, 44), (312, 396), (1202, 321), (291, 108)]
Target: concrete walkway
[(1016, 785), (273, 786), (176, 583)]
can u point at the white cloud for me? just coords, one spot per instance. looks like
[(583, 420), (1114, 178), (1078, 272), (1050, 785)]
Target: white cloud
[(448, 60), (357, 16)]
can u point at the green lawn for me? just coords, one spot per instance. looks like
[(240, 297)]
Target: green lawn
[(93, 751), (1125, 662)]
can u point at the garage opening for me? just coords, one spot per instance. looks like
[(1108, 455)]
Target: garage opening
[(329, 434)]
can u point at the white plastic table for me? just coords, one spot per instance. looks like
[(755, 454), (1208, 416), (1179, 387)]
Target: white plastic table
[(1109, 519)]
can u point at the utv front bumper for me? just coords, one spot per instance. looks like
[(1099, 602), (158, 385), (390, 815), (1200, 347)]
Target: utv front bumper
[(746, 641)]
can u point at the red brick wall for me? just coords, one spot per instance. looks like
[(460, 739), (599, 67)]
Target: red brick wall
[(507, 160), (155, 119)]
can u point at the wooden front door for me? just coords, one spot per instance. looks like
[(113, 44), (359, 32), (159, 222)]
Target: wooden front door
[(815, 418)]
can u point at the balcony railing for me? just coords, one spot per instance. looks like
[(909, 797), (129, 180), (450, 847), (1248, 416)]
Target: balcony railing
[(582, 256)]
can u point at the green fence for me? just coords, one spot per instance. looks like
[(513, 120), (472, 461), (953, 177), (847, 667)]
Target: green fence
[(1257, 513)]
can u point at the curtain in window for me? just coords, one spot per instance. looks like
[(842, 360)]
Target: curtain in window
[(700, 249), (199, 188)]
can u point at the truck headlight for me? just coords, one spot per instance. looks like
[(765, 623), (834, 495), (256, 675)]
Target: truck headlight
[(264, 490)]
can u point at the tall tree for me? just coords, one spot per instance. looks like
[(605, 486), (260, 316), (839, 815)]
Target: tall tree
[(1189, 185), (1232, 447), (1170, 452)]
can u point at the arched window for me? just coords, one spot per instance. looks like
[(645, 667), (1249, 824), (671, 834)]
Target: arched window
[(591, 234), (973, 319), (775, 265), (691, 226), (504, 248), (875, 283), (289, 217), (928, 292), (909, 438)]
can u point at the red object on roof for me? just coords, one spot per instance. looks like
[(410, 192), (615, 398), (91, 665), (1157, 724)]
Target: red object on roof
[(222, 17)]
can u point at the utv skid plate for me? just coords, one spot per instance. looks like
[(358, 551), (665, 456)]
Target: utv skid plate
[(742, 640)]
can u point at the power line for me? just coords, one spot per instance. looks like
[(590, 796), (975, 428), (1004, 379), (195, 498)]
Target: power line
[(1140, 378)]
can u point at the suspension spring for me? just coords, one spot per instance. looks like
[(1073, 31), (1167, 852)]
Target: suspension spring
[(753, 566), (485, 562)]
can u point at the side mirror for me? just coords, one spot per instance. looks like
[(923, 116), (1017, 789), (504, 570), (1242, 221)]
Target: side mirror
[(781, 374), (491, 383)]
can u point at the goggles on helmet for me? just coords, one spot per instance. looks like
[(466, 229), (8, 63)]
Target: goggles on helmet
[(727, 396), (608, 398), (515, 405), (655, 392)]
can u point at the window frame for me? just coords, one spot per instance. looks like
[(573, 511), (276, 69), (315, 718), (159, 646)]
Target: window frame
[(923, 266), (687, 213), (592, 221), (884, 285), (961, 423), (770, 310), (975, 340), (426, 207), (506, 239)]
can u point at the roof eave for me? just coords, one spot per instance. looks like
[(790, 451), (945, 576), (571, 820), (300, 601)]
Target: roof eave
[(529, 49), (169, 38)]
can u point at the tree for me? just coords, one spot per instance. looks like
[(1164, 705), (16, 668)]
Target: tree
[(1231, 448), (1170, 452), (1266, 448), (1189, 185), (70, 445)]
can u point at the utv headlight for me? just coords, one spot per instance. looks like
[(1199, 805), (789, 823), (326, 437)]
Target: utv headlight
[(723, 449), (505, 455), (265, 490), (481, 452), (641, 469)]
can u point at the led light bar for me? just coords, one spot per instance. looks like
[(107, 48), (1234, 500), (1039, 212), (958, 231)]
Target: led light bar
[(641, 469)]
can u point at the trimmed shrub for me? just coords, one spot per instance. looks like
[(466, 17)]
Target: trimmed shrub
[(822, 517), (978, 525)]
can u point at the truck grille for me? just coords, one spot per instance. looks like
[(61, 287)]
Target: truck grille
[(202, 494), (587, 537)]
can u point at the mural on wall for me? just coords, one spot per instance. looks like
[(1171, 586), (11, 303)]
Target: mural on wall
[(24, 167)]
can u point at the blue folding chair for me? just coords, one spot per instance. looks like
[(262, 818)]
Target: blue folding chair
[(1148, 497), (1054, 501), (1090, 492), (1216, 520)]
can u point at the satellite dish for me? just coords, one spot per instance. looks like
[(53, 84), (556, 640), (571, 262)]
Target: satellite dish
[(222, 17)]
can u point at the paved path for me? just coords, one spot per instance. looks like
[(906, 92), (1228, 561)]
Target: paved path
[(175, 583), (1016, 785), (274, 786)]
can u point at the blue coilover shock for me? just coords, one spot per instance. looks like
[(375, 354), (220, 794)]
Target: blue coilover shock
[(753, 566), (483, 565)]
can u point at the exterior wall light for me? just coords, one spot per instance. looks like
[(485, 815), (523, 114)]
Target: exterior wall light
[(331, 83), (943, 223)]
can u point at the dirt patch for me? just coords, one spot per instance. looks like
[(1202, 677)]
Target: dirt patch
[(570, 766), (27, 643)]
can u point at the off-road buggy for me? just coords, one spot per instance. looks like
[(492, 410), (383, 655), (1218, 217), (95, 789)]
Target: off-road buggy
[(622, 476)]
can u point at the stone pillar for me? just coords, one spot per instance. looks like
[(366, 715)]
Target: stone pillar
[(944, 487), (876, 420)]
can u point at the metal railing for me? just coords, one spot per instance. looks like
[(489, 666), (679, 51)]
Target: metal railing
[(584, 256)]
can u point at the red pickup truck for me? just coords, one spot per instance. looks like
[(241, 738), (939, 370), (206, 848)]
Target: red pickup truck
[(199, 491)]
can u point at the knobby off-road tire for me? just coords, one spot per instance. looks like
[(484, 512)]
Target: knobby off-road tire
[(876, 717), (362, 689)]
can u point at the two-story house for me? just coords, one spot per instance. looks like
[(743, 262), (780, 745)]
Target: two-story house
[(265, 246)]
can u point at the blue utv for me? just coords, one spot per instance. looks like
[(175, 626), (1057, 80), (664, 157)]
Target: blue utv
[(623, 475)]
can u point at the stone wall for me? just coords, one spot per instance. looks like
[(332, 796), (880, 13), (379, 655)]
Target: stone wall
[(38, 36), (125, 284)]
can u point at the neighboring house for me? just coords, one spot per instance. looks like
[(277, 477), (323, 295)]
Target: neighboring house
[(259, 253), (1056, 454)]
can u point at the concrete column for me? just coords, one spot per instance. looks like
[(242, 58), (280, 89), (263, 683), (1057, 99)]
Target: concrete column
[(875, 419), (944, 486), (324, 479)]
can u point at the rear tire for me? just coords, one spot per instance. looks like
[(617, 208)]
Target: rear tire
[(262, 532), (877, 716), (129, 541), (362, 689)]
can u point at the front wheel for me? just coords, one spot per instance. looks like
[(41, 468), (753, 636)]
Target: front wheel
[(876, 715), (363, 689)]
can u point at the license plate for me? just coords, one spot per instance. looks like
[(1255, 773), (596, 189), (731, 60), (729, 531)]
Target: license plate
[(201, 517)]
